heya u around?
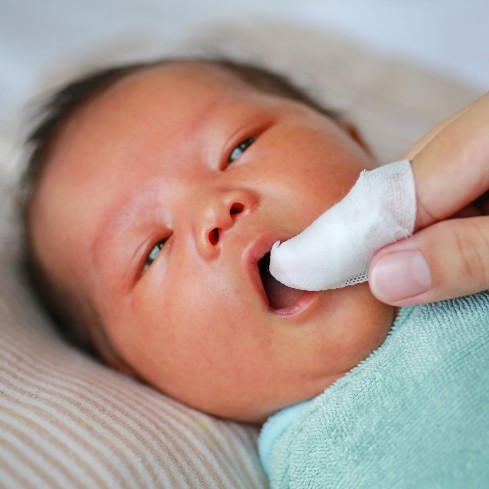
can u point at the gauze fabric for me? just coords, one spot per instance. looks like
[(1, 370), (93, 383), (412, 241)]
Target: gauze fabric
[(336, 249)]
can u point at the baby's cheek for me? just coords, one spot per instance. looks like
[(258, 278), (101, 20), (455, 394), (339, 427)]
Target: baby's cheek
[(375, 317)]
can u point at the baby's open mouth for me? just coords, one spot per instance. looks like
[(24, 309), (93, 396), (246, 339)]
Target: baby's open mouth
[(279, 295)]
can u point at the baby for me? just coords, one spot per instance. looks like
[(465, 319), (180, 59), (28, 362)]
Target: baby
[(156, 192), (156, 198)]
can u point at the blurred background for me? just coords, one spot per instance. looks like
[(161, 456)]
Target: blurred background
[(43, 41)]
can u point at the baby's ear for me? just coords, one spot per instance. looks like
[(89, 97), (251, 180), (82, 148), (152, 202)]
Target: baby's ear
[(355, 134)]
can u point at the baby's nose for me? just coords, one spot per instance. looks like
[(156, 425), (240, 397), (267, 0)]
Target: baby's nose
[(214, 235), (218, 217)]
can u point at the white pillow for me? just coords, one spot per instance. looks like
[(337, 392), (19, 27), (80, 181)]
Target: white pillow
[(67, 421)]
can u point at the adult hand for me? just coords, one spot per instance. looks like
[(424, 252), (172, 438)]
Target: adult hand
[(448, 255)]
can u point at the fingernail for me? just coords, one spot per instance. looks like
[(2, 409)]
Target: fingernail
[(400, 275)]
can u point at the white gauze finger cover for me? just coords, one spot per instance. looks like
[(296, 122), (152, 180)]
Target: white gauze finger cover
[(336, 249)]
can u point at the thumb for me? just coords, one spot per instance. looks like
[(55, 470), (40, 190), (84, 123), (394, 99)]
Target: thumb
[(446, 260)]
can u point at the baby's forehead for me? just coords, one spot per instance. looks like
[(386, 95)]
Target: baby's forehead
[(165, 91), (178, 77), (176, 95), (169, 86), (172, 97)]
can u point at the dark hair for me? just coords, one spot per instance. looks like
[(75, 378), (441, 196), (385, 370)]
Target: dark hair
[(74, 315)]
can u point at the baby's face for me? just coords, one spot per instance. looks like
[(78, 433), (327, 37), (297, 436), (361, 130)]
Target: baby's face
[(152, 210)]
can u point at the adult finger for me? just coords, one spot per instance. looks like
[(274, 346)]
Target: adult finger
[(446, 260), (452, 169)]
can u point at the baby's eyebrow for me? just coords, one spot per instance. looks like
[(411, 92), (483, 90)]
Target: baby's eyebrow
[(119, 218)]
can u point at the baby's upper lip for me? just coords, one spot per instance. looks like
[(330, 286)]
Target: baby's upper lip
[(288, 302), (252, 254)]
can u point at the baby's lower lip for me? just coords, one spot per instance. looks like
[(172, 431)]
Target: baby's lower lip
[(301, 303)]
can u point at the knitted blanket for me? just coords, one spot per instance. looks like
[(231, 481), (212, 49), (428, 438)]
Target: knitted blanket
[(415, 414)]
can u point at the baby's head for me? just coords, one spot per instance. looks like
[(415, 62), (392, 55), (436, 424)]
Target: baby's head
[(156, 192)]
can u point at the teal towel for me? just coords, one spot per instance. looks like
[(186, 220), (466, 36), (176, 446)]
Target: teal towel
[(415, 414)]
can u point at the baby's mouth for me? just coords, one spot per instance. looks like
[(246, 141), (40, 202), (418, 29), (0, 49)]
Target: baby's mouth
[(280, 297)]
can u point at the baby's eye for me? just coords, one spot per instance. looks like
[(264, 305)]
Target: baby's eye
[(153, 254), (240, 149)]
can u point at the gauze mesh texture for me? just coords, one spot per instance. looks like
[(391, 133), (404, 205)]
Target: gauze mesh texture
[(336, 249)]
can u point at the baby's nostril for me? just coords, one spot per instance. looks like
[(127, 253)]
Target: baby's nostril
[(214, 236), (236, 208)]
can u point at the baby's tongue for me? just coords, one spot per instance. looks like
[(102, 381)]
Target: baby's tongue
[(279, 295)]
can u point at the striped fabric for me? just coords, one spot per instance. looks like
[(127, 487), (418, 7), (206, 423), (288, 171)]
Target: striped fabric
[(66, 421)]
